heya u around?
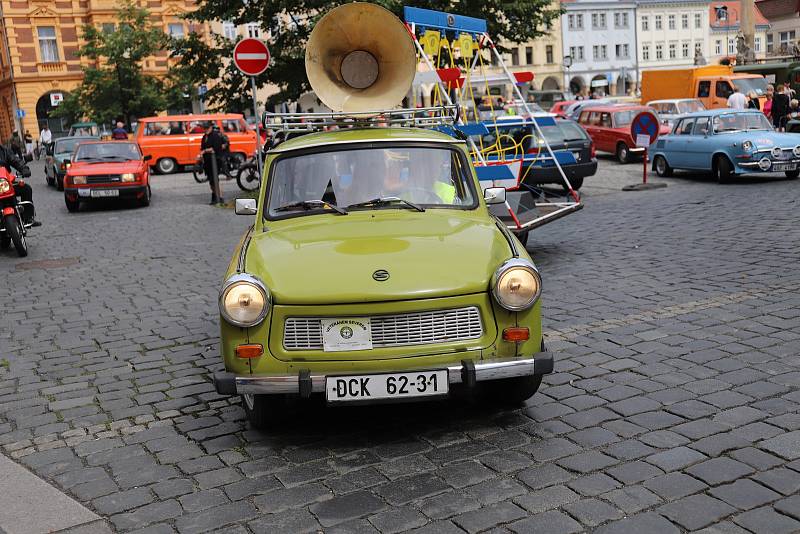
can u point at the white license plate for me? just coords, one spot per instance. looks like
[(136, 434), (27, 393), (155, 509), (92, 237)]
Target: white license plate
[(386, 386), (104, 193), (778, 167)]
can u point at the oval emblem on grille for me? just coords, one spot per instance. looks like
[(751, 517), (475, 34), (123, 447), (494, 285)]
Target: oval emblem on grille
[(380, 275)]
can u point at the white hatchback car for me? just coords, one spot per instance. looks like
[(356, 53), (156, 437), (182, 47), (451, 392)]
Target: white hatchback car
[(669, 110)]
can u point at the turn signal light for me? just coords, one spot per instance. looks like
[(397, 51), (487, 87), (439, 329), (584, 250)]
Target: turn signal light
[(516, 334), (249, 351)]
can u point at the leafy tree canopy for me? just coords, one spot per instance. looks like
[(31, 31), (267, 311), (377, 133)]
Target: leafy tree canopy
[(114, 85), (291, 22)]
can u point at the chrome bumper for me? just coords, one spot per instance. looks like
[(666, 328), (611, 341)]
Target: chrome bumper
[(754, 164), (304, 383)]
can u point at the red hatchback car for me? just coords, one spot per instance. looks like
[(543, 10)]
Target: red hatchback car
[(560, 108), (610, 129), (107, 169)]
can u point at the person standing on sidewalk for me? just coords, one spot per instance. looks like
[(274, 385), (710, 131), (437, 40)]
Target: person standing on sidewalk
[(119, 132), (45, 138), (212, 147)]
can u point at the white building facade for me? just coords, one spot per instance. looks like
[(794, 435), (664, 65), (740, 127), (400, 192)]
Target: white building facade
[(599, 36), (670, 33)]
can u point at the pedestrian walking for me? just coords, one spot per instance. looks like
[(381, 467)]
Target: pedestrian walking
[(768, 102), (15, 143), (752, 101), (28, 143), (212, 147), (45, 137), (780, 108), (119, 132), (737, 100)]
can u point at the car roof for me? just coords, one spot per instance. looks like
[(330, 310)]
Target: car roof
[(669, 100), (720, 111), (96, 141), (73, 137), (615, 107), (199, 117), (364, 135)]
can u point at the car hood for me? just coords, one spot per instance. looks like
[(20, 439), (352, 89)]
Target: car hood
[(330, 259), (765, 139), (116, 167)]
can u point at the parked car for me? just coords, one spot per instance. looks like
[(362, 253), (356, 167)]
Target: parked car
[(373, 205), (560, 108), (174, 140), (609, 126), (574, 110), (107, 170), (727, 143), (547, 97), (669, 110), (561, 135), (58, 159)]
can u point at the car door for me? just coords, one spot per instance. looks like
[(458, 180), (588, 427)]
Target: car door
[(703, 93), (605, 138), (680, 143), (702, 145), (722, 90)]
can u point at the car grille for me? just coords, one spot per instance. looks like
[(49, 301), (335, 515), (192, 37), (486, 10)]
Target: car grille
[(423, 328), (102, 178)]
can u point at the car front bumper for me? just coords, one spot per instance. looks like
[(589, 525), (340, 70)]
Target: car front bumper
[(550, 174), (751, 166), (304, 383), (84, 193)]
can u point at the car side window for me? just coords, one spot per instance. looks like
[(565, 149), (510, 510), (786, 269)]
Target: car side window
[(231, 126), (704, 89), (584, 118), (672, 109), (723, 89), (701, 127), (156, 128), (605, 120), (686, 127)]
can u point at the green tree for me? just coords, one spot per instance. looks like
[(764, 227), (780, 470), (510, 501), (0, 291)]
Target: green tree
[(114, 85), (291, 23)]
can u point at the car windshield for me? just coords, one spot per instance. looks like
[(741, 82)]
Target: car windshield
[(63, 146), (515, 139), (431, 177), (757, 85), (736, 122), (690, 106), (107, 152)]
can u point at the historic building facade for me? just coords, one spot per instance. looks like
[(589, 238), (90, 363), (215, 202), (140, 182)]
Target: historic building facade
[(672, 32), (39, 40)]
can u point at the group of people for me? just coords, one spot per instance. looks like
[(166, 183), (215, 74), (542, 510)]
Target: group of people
[(780, 107)]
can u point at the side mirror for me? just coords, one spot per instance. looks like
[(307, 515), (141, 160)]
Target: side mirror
[(246, 206), (148, 157), (494, 195), (28, 158)]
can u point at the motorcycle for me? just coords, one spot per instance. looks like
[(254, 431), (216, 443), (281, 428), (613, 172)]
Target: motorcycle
[(17, 216), (247, 177)]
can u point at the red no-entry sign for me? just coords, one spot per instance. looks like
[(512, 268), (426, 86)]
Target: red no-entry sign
[(251, 56)]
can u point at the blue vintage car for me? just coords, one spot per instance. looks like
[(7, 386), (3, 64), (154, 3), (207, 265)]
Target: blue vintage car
[(727, 142)]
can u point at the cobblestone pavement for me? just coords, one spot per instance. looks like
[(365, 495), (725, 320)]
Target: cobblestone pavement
[(675, 316)]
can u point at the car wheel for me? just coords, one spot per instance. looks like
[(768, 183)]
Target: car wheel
[(722, 169), (72, 205), (662, 167), (576, 183), (47, 178), (166, 166), (623, 153), (59, 183), (793, 174), (265, 411), (145, 200)]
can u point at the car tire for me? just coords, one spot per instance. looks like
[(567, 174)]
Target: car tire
[(145, 200), (47, 178), (722, 169), (166, 166), (265, 411), (59, 183), (623, 153), (72, 205), (662, 167), (576, 183), (792, 174)]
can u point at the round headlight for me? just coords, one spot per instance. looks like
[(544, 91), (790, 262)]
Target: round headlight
[(747, 146), (5, 187), (244, 300), (777, 152), (796, 151), (516, 285)]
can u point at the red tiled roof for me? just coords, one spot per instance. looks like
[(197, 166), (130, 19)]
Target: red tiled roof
[(733, 15), (773, 9)]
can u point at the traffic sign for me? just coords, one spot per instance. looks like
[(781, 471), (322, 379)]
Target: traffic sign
[(251, 56), (645, 123), (201, 90), (56, 99), (20, 113)]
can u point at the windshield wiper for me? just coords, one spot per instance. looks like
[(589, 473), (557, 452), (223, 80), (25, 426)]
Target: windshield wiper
[(383, 201), (312, 204)]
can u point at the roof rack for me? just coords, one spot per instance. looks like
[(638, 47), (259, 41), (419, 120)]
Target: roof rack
[(404, 117)]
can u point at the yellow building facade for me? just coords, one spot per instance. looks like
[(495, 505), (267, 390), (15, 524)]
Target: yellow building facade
[(39, 65)]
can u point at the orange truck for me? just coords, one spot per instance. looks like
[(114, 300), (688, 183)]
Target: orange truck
[(712, 84)]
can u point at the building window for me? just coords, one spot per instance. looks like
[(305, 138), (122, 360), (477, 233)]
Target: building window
[(698, 20), (658, 22), (576, 52), (622, 50), (175, 30), (229, 30), (673, 50), (108, 27), (575, 22), (786, 40), (48, 46), (580, 53), (717, 47), (645, 52), (671, 22), (685, 21), (594, 22), (659, 51), (603, 20), (529, 55), (598, 21), (515, 57), (579, 21), (620, 20), (757, 44), (253, 30), (603, 52), (596, 52), (548, 52), (571, 22), (685, 49), (645, 23), (770, 43), (698, 47), (731, 46), (624, 20)]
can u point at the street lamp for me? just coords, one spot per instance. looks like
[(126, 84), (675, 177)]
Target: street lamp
[(567, 62)]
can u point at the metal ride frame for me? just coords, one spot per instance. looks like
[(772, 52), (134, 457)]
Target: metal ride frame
[(530, 213)]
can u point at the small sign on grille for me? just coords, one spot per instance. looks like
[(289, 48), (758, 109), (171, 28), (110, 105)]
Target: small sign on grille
[(351, 333)]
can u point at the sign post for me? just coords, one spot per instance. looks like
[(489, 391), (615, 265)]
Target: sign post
[(251, 56), (644, 130)]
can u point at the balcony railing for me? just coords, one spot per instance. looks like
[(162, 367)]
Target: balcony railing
[(59, 66)]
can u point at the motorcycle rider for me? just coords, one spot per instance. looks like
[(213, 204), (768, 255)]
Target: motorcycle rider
[(8, 160)]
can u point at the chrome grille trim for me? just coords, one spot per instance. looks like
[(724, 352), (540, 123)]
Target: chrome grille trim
[(418, 328), (102, 178)]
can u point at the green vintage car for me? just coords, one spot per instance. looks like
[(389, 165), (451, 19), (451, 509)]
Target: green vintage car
[(374, 272), (58, 159)]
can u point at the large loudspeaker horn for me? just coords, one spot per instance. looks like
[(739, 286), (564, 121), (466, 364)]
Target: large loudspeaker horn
[(360, 57)]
